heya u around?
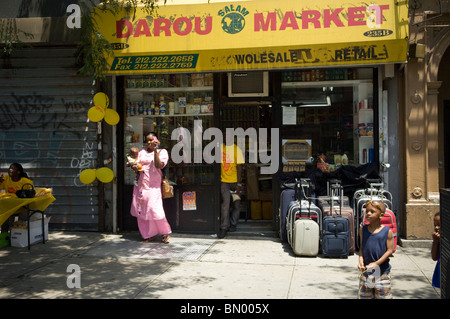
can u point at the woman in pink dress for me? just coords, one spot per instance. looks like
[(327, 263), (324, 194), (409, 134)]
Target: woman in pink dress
[(147, 205)]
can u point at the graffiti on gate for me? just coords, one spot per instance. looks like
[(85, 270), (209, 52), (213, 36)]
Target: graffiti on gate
[(84, 162), (36, 111)]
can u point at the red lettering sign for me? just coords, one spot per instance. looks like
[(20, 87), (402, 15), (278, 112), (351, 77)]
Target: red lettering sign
[(163, 27)]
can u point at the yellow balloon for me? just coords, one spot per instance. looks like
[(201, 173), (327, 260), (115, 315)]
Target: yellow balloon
[(104, 174), (87, 176), (112, 117), (96, 114), (101, 99)]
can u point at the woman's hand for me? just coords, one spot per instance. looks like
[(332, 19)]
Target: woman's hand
[(158, 162)]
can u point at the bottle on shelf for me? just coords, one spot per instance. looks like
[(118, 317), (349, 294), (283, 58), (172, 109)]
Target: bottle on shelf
[(162, 106), (152, 108)]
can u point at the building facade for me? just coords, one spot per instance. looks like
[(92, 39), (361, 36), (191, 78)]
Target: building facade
[(322, 76), (424, 114)]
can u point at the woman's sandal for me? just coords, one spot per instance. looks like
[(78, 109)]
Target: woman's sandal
[(165, 239), (148, 240)]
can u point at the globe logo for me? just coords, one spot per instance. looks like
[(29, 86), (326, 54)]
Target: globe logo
[(233, 23)]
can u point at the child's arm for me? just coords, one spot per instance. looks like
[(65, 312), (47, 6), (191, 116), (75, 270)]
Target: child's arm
[(435, 246), (361, 257)]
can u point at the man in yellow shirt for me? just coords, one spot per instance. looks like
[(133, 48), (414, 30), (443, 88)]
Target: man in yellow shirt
[(230, 177)]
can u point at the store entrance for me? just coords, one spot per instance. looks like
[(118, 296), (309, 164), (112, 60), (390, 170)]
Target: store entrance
[(257, 217)]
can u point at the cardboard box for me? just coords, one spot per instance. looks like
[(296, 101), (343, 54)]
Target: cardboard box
[(267, 212), (255, 209), (19, 236)]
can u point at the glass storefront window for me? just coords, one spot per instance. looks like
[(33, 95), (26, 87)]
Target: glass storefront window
[(162, 104), (332, 110)]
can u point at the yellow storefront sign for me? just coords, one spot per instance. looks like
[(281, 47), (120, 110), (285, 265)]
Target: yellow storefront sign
[(260, 34)]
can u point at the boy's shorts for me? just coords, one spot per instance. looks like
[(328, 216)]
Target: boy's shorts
[(380, 289)]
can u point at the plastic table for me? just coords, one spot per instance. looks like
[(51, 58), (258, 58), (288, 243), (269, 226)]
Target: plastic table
[(10, 205)]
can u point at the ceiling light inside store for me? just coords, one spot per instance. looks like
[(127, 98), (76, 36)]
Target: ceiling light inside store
[(309, 96), (328, 103)]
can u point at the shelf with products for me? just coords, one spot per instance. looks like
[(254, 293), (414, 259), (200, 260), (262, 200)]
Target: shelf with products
[(169, 89), (169, 94), (326, 76), (171, 81), (325, 113), (363, 123), (183, 173), (288, 85), (320, 75), (240, 116), (164, 103), (168, 103)]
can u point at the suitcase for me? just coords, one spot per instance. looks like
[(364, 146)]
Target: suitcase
[(303, 228), (335, 235), (332, 190), (286, 198), (304, 209), (389, 220), (342, 208)]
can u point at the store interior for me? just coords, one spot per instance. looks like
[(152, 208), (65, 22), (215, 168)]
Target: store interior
[(326, 115)]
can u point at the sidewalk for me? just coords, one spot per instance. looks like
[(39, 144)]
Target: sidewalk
[(194, 267)]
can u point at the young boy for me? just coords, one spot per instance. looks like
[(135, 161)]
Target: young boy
[(376, 245)]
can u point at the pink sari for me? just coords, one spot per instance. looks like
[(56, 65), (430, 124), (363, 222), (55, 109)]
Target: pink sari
[(147, 205)]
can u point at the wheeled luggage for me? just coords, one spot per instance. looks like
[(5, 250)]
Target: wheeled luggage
[(332, 190), (303, 223), (331, 207), (289, 196), (303, 228), (388, 220), (286, 198), (335, 235)]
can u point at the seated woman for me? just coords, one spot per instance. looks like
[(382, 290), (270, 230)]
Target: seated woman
[(15, 179)]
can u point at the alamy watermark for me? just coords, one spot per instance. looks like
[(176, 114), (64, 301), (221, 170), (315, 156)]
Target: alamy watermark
[(372, 277), (189, 148), (74, 19), (74, 279)]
